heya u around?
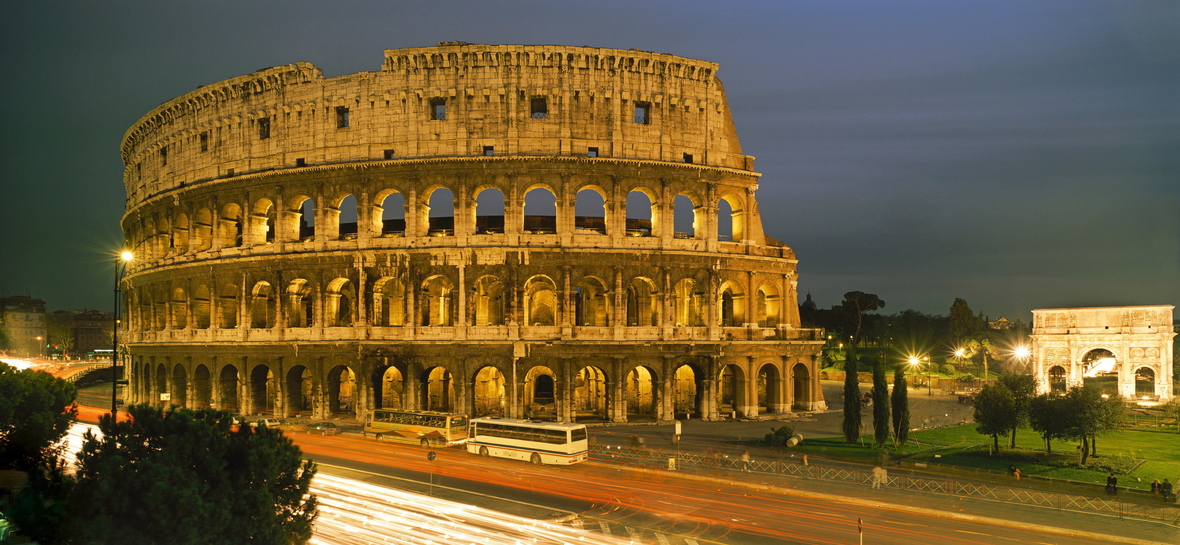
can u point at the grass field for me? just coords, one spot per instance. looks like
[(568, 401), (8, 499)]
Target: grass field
[(1153, 454)]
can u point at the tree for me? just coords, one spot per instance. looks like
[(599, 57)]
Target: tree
[(189, 477), (853, 308), (995, 411), (1111, 412), (1023, 388), (60, 326), (880, 404), (36, 410), (1046, 416), (980, 344), (962, 320), (901, 408), (1086, 415)]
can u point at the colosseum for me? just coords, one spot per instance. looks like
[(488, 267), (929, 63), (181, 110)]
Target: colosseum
[(567, 233)]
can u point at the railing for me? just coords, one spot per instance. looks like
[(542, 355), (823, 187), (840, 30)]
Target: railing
[(718, 463)]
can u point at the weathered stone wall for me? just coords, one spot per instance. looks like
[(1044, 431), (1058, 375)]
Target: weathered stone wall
[(255, 289)]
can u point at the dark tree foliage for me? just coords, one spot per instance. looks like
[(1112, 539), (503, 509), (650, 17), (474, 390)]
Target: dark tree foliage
[(901, 407), (1023, 388), (852, 402), (188, 477), (1047, 416), (36, 409), (778, 437), (962, 320), (880, 404), (1080, 414), (995, 411)]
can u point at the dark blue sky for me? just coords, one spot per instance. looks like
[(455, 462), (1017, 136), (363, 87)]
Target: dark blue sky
[(1017, 154)]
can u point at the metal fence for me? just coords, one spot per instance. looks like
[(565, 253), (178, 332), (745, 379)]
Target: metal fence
[(718, 464)]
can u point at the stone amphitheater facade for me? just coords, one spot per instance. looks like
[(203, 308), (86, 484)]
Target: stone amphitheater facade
[(529, 231)]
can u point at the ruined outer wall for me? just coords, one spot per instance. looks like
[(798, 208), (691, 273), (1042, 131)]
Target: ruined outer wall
[(213, 132)]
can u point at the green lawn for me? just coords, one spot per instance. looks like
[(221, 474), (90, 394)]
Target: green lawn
[(961, 446)]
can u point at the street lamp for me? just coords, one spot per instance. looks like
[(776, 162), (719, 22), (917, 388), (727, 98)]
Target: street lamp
[(40, 347), (121, 262), (1023, 354), (915, 361)]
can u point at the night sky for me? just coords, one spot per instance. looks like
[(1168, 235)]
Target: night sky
[(1019, 155)]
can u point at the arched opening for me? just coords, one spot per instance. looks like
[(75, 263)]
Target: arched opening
[(591, 307), (306, 220), (590, 394), (393, 215), (161, 386), (641, 214), (487, 300), (341, 391), (262, 306), (640, 391), (340, 303), (540, 211), (731, 395), (262, 390), (643, 305), (389, 307), (160, 312), (733, 308), (231, 225), (590, 212), (684, 212), (767, 310), (438, 390), (144, 384), (1144, 382), (801, 387), (346, 218), (1101, 370), (689, 303), (489, 212), (729, 219), (300, 392), (540, 302), (441, 213), (202, 388), (203, 230), (540, 388), (388, 388), (686, 384), (262, 223), (489, 392), (179, 309), (227, 388), (1057, 379), (201, 305), (299, 304), (180, 234), (179, 386), (438, 302), (227, 304), (769, 389)]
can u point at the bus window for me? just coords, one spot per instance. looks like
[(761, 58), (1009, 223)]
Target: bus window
[(578, 434)]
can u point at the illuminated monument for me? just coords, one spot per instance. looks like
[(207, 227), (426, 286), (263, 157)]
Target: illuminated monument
[(477, 228)]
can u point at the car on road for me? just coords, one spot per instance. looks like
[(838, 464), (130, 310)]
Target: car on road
[(272, 423), (323, 428)]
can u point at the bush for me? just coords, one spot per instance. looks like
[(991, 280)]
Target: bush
[(967, 378), (948, 370), (778, 436)]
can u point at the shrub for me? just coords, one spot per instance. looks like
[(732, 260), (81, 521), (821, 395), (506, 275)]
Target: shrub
[(967, 378), (948, 369), (778, 436)]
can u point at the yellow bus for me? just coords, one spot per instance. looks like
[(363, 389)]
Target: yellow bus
[(538, 442), (427, 428)]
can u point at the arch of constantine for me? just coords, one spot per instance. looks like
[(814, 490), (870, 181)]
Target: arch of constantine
[(1134, 343), (562, 232)]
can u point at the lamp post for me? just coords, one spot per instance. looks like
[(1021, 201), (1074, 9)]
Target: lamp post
[(40, 346), (122, 259), (1023, 354), (915, 361)]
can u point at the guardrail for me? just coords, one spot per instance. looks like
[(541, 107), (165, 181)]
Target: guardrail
[(721, 463)]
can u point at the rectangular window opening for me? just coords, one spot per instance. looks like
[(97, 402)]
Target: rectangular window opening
[(205, 141), (388, 154), (264, 128), (489, 150), (643, 113), (229, 172), (539, 108), (341, 117), (300, 162), (438, 109), (164, 156), (688, 158), (591, 152)]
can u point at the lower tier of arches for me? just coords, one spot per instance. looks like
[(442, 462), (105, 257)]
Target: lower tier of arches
[(560, 381)]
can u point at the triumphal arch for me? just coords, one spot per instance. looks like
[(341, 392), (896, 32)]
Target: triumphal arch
[(544, 231), (1132, 343)]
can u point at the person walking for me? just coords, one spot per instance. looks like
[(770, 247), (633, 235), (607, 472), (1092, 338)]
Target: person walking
[(879, 475), (1155, 488), (745, 461)]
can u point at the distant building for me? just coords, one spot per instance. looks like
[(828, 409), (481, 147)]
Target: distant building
[(22, 319), (1001, 323), (92, 331)]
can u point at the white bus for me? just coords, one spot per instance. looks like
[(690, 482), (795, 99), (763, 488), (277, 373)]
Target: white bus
[(427, 428), (537, 442)]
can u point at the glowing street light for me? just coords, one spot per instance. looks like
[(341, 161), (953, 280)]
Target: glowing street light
[(915, 361), (1022, 353), (122, 259)]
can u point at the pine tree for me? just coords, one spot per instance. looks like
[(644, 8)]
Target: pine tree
[(901, 408), (880, 404), (851, 397)]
